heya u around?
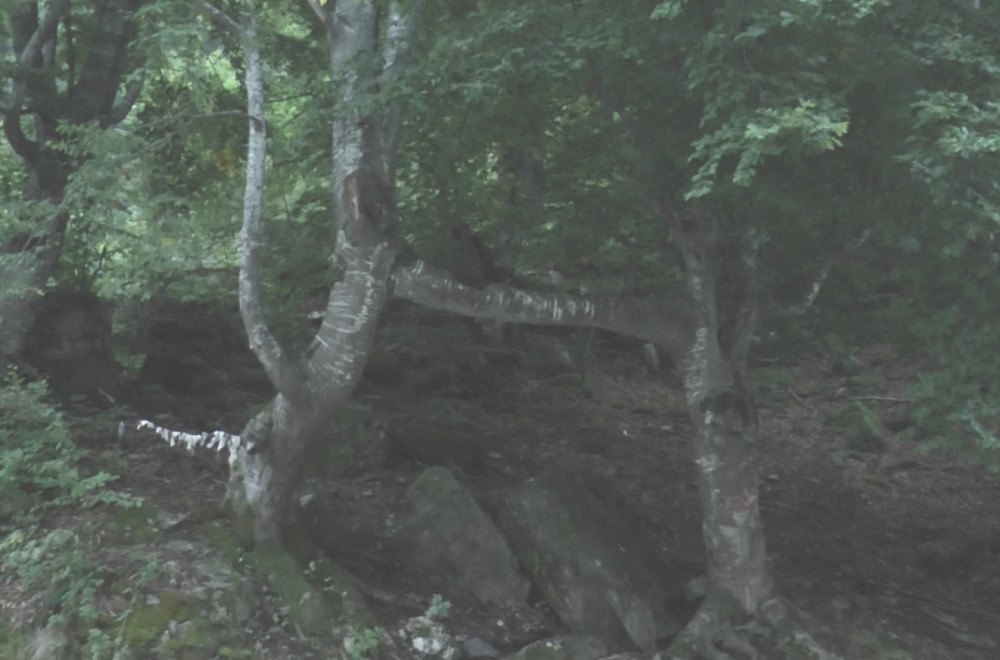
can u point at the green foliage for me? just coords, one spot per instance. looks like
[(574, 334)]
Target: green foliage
[(807, 126), (38, 472), (363, 643), (62, 565), (811, 121), (563, 132), (38, 460), (957, 403), (438, 609), (58, 563)]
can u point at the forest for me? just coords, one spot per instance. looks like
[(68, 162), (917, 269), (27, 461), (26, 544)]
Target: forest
[(475, 329)]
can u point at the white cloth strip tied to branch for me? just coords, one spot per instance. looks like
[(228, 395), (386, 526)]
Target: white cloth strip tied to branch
[(218, 440)]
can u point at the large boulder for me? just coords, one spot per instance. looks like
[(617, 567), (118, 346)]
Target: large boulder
[(591, 558), (70, 342), (457, 548), (189, 347), (563, 647)]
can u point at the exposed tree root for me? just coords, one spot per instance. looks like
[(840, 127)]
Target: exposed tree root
[(321, 597), (775, 632)]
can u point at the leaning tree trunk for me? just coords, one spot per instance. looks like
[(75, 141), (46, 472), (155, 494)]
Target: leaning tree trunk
[(721, 411)]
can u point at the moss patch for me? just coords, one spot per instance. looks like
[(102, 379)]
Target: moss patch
[(148, 621), (320, 596), (137, 524), (231, 540), (306, 606), (774, 378), (198, 638)]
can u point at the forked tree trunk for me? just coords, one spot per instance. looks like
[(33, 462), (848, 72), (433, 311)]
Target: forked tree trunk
[(266, 477), (267, 468)]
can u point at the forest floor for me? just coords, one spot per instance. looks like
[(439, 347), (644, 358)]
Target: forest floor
[(888, 552)]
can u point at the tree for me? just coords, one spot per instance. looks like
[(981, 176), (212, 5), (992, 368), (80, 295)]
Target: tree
[(74, 70), (743, 133), (366, 48), (799, 141)]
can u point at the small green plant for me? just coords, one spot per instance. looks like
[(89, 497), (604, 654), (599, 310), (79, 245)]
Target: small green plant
[(438, 609), (361, 643), (38, 460)]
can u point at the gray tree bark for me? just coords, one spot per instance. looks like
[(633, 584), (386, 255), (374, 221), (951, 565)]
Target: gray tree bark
[(311, 388)]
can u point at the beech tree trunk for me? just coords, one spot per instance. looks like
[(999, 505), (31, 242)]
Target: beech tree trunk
[(311, 388), (724, 420)]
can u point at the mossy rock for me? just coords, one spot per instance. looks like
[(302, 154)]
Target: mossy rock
[(149, 620), (197, 639), (175, 629), (320, 597)]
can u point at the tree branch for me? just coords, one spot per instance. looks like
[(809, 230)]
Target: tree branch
[(124, 105), (279, 368), (322, 14), (221, 18), (821, 276), (667, 323), (27, 149)]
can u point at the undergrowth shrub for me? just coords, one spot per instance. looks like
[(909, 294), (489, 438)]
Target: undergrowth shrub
[(40, 473), (38, 460)]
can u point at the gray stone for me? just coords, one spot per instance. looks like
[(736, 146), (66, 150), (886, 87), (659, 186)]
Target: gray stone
[(563, 647), (475, 647), (592, 558), (429, 639), (515, 624), (455, 545)]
